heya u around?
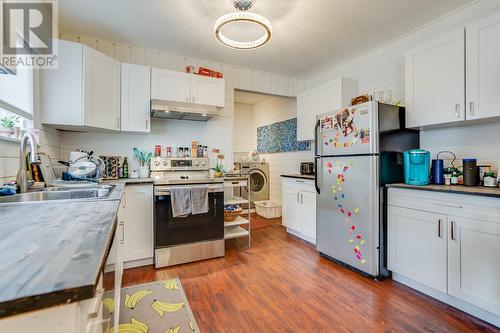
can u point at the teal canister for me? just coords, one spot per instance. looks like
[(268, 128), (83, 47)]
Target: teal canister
[(417, 166)]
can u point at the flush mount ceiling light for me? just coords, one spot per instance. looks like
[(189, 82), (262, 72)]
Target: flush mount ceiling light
[(246, 17)]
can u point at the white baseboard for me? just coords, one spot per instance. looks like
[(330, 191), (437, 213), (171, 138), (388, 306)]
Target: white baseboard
[(298, 234), (445, 298)]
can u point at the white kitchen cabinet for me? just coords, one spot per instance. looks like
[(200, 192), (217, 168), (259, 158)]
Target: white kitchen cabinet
[(435, 81), (308, 214), (483, 68), (328, 97), (299, 208), (83, 92), (291, 206), (175, 86), (456, 260), (474, 262), (208, 91), (417, 246), (170, 85), (137, 205), (135, 98)]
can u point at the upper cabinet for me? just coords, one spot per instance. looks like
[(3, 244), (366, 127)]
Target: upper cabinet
[(435, 81), (84, 91), (455, 77), (135, 98), (175, 86), (328, 97), (483, 68)]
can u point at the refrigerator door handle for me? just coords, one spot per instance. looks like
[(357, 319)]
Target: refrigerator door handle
[(316, 174), (316, 140)]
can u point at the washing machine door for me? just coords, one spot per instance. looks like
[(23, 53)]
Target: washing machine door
[(258, 181)]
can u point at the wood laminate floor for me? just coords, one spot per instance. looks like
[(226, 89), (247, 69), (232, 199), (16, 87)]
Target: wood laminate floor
[(281, 284)]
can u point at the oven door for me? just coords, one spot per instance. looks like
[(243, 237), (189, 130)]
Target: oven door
[(170, 231)]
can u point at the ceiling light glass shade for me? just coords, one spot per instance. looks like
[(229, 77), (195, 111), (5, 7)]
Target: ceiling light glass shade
[(243, 17)]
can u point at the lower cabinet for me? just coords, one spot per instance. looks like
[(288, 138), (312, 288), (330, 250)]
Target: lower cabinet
[(447, 246), (299, 208), (417, 246), (474, 262), (136, 215)]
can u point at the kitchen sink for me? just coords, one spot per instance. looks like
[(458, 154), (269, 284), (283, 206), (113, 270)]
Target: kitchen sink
[(62, 193)]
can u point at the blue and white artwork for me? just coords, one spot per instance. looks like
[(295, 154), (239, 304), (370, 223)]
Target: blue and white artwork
[(280, 137)]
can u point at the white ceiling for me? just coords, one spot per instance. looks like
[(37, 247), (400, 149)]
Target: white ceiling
[(306, 33)]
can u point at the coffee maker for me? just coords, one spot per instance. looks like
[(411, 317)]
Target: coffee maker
[(417, 165)]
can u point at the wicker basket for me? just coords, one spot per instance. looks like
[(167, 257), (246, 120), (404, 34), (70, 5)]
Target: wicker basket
[(231, 215)]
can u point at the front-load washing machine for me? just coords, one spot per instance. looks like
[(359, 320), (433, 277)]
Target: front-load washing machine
[(259, 180)]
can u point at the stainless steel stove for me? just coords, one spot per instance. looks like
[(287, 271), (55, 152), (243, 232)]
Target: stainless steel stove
[(191, 237)]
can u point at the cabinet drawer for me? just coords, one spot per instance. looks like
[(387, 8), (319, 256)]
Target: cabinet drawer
[(235, 183), (306, 185), (472, 206)]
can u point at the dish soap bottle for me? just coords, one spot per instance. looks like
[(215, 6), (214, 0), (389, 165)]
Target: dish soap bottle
[(125, 168)]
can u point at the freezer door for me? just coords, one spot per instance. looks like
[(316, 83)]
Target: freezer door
[(348, 211), (352, 130)]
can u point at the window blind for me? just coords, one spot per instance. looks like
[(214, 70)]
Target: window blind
[(16, 92)]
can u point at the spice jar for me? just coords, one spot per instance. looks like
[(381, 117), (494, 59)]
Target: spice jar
[(489, 179)]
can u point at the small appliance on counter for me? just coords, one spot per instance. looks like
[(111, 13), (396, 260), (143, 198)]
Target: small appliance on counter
[(470, 176), (307, 168), (417, 166)]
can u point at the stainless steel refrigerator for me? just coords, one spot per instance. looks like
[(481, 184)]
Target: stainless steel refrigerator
[(358, 150)]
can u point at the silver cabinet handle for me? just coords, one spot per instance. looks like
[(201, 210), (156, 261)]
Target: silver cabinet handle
[(471, 109), (439, 228), (301, 198), (122, 226), (147, 124), (297, 197), (452, 230), (457, 110)]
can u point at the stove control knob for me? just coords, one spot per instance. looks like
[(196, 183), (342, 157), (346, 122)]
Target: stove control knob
[(196, 164), (165, 163), (203, 163), (157, 163)]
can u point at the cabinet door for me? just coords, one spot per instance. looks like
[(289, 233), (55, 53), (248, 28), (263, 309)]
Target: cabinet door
[(291, 207), (170, 85), (101, 93), (208, 91), (308, 214), (306, 115), (417, 246), (435, 80), (138, 222), (483, 68), (474, 262), (135, 98)]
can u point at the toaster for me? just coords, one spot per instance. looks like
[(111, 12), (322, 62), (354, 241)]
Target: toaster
[(307, 168)]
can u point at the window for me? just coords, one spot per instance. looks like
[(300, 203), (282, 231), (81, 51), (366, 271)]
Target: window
[(16, 92)]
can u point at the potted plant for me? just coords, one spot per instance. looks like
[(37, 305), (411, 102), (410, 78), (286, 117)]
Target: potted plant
[(219, 167), (143, 157), (7, 125)]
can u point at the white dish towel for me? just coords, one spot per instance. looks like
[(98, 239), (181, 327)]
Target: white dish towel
[(181, 201), (199, 199)]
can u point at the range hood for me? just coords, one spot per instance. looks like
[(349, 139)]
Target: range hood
[(182, 111)]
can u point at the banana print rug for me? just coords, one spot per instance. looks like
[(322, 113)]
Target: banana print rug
[(157, 307)]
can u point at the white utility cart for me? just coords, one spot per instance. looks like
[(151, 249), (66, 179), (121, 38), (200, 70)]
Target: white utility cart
[(234, 229)]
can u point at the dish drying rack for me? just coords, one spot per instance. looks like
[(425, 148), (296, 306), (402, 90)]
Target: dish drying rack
[(55, 173)]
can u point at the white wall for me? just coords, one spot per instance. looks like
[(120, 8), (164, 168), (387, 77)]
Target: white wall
[(270, 111), (245, 132), (383, 69)]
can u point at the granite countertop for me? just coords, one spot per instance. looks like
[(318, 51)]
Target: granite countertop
[(52, 252), (457, 189), (298, 176)]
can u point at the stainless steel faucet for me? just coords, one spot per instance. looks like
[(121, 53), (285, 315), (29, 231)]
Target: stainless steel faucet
[(22, 178)]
